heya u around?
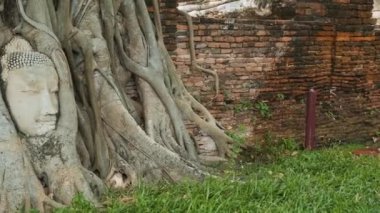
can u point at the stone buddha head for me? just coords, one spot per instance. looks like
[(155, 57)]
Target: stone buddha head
[(30, 84)]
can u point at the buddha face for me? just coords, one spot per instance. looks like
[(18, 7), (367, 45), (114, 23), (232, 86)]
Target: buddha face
[(31, 93)]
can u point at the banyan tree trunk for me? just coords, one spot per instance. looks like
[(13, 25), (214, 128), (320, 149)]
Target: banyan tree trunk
[(122, 107)]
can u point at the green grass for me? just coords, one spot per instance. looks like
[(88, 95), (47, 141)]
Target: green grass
[(330, 180)]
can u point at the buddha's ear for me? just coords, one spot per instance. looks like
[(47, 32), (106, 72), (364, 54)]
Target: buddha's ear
[(4, 69), (68, 111)]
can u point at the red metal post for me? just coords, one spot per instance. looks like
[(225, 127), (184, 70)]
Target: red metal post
[(310, 142)]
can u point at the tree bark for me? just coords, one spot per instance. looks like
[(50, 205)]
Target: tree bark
[(104, 136)]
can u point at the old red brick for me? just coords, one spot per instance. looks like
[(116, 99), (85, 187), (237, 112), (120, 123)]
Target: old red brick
[(225, 45)]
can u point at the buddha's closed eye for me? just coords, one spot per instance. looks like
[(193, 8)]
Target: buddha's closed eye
[(31, 91)]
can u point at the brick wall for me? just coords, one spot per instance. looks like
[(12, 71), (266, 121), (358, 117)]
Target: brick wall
[(331, 46)]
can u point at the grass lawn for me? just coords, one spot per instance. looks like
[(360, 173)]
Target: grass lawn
[(328, 180)]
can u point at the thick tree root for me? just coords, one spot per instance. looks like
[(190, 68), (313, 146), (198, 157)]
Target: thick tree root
[(67, 182), (194, 64), (189, 106), (121, 141), (155, 75), (131, 132), (20, 188)]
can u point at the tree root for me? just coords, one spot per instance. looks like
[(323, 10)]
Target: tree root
[(19, 186), (101, 161), (157, 122), (131, 132), (187, 104), (193, 59), (189, 8), (66, 182), (155, 76), (113, 140)]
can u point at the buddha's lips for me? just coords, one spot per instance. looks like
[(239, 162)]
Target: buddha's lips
[(47, 120)]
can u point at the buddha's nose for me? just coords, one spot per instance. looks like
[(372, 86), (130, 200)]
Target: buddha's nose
[(49, 103)]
